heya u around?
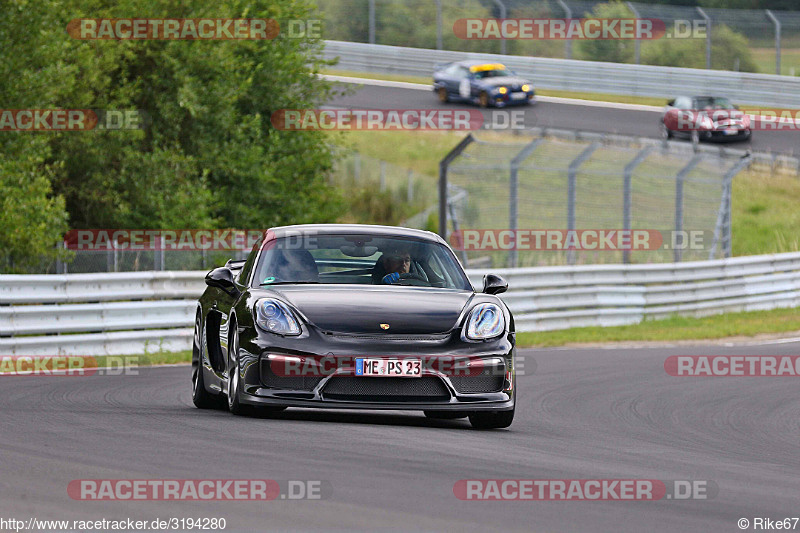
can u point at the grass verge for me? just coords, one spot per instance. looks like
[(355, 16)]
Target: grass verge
[(677, 328)]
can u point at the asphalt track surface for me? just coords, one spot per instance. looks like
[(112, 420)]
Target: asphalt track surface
[(592, 118), (582, 414)]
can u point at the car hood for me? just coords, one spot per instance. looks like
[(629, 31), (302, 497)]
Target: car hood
[(362, 309), (505, 81)]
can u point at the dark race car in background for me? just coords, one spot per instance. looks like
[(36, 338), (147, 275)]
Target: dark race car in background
[(485, 84), (313, 318), (702, 118)]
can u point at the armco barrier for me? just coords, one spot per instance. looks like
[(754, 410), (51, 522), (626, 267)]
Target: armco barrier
[(144, 312), (580, 76)]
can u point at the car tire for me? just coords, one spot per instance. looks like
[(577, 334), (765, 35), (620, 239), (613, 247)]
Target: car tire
[(443, 96), (201, 398), (445, 415), (234, 381), (483, 99), (497, 420)]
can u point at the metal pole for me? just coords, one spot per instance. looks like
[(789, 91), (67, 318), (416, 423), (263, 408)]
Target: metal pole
[(572, 179), (356, 167), (708, 36), (439, 40), (678, 251), (503, 14), (443, 164), (568, 42), (371, 21), (777, 23), (627, 193), (410, 186), (513, 195), (637, 46), (383, 175)]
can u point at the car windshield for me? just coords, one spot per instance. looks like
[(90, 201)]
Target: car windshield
[(713, 103), (358, 259), (496, 73)]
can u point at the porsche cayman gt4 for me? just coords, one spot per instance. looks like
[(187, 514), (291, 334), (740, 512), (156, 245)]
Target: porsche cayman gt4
[(354, 317)]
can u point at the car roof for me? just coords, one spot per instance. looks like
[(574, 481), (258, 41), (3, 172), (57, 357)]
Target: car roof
[(368, 229)]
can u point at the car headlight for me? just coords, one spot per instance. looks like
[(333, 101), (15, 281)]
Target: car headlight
[(526, 88), (273, 316), (484, 322), (502, 90)]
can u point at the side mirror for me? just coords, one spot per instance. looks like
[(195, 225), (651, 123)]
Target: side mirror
[(222, 278), (493, 284)]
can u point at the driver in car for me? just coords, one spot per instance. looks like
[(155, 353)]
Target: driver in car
[(396, 263)]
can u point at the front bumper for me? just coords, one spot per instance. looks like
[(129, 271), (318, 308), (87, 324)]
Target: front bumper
[(321, 373)]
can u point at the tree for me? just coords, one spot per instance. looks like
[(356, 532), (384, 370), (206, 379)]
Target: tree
[(613, 50)]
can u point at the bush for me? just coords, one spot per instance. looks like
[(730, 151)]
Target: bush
[(615, 51), (726, 47)]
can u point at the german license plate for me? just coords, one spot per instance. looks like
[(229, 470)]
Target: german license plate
[(406, 368), (519, 96)]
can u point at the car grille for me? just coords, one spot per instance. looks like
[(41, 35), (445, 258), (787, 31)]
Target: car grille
[(270, 379), (388, 389), (485, 382)]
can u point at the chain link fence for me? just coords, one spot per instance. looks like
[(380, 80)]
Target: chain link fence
[(773, 37), (554, 184)]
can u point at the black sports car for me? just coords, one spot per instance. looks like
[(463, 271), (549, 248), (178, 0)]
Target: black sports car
[(486, 84), (354, 317), (702, 118)]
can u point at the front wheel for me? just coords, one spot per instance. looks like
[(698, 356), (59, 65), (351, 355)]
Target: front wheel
[(500, 419), (483, 99), (234, 379), (443, 96), (201, 398)]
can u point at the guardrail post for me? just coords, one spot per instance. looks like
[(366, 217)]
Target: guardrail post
[(443, 164), (777, 24), (371, 21), (708, 35), (627, 194), (572, 179), (568, 42), (679, 177), (503, 14), (637, 45), (513, 195), (439, 40)]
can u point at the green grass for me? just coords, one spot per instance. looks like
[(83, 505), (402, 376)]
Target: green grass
[(676, 328), (765, 59)]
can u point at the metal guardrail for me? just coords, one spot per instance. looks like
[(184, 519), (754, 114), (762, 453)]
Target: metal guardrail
[(580, 76), (144, 312)]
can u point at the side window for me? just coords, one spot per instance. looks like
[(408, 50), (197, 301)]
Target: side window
[(462, 73), (684, 102)]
